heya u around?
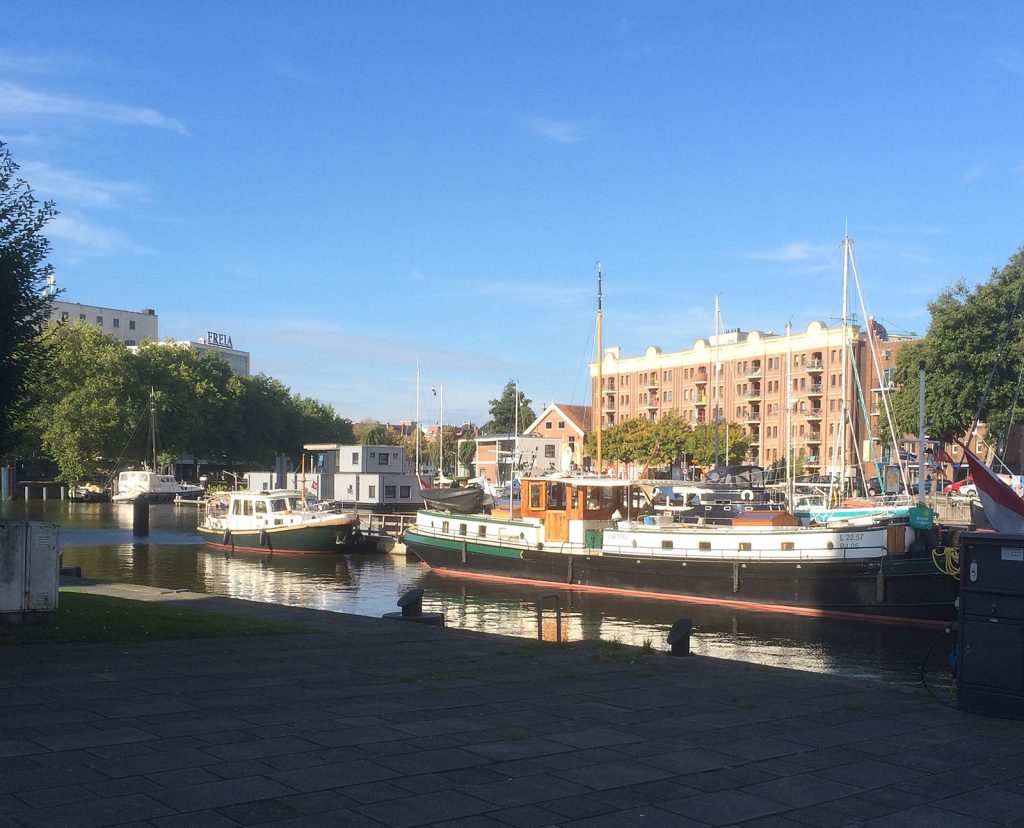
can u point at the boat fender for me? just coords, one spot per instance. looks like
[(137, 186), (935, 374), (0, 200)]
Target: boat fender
[(747, 494), (226, 538), (263, 537)]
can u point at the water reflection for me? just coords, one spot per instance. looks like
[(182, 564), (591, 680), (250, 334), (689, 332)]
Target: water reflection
[(97, 537)]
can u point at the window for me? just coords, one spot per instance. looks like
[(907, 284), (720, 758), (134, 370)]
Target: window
[(547, 426), (404, 492), (383, 459), (130, 342), (64, 316), (131, 324), (81, 317), (261, 507), (99, 321), (549, 451), (534, 495), (481, 530), (371, 492), (247, 507), (389, 492), (355, 457), (561, 424), (116, 323)]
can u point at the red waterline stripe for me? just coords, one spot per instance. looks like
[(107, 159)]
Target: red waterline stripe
[(721, 602)]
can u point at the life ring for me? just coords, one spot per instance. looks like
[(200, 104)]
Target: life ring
[(747, 494)]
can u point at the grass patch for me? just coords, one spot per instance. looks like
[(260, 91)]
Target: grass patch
[(88, 618)]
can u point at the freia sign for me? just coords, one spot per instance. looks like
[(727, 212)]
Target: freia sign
[(218, 339)]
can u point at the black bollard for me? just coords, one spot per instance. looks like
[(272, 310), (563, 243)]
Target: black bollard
[(140, 517), (412, 610), (679, 637)]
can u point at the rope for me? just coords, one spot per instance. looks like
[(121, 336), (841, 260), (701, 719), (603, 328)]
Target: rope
[(947, 560)]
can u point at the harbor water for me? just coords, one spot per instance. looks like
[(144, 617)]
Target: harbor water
[(98, 538)]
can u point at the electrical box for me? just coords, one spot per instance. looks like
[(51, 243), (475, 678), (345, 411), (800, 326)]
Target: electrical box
[(990, 639), (29, 567)]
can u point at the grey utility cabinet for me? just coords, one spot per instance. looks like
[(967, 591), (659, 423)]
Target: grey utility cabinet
[(29, 567), (990, 636)]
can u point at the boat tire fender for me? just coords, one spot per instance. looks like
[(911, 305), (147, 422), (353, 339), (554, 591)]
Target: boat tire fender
[(263, 537), (747, 494), (226, 538)]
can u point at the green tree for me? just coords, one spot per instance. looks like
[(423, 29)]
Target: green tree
[(373, 433), (451, 448), (467, 453), (191, 395), (669, 438), (503, 411), (81, 415), (961, 351), (24, 304), (733, 444)]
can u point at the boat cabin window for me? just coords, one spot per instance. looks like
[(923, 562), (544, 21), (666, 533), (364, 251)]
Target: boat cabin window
[(261, 507), (236, 507), (535, 495), (556, 496), (575, 498), (278, 504)]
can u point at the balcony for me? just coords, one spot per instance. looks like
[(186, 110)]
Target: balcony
[(755, 392), (701, 377), (813, 414), (755, 372), (816, 366), (651, 384), (754, 416), (813, 439), (701, 400), (651, 405), (814, 389)]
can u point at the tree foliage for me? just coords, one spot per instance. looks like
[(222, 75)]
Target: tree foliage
[(664, 442), (91, 415), (24, 304), (504, 411), (373, 433), (964, 346)]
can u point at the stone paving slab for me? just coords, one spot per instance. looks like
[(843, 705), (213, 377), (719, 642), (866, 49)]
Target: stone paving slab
[(368, 722)]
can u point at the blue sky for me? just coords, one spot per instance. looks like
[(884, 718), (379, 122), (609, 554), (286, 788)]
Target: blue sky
[(347, 188)]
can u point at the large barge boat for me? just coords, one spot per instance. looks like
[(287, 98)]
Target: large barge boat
[(600, 533)]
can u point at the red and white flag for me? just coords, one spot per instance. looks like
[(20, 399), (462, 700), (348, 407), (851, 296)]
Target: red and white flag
[(1003, 507)]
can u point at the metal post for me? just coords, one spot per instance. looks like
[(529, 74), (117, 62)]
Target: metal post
[(558, 615), (140, 517)]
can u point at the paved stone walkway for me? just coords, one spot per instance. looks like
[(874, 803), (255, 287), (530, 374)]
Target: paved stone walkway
[(383, 723)]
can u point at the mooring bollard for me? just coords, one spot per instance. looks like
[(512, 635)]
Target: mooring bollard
[(412, 610), (554, 596), (679, 637), (140, 517)]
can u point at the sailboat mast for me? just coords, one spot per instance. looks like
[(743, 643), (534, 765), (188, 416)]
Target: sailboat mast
[(440, 438), (418, 424), (843, 378), (789, 416), (718, 371), (600, 377), (152, 426)]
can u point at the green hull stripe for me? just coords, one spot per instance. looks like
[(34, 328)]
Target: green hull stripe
[(475, 548)]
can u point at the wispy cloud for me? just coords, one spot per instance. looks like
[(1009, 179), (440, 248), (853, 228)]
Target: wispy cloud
[(17, 101), (291, 71), (975, 173), (85, 239), (48, 63), (67, 187), (906, 230), (562, 132), (795, 252), (1012, 60)]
